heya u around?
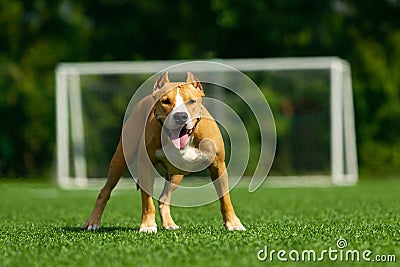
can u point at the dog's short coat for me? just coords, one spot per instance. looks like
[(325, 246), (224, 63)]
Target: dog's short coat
[(180, 134)]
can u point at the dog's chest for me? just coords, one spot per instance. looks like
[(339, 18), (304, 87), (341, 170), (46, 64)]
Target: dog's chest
[(184, 161)]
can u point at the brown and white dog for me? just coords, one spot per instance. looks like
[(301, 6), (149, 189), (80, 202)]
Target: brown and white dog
[(171, 127)]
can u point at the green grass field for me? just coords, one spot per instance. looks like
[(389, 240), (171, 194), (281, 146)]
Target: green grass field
[(40, 226)]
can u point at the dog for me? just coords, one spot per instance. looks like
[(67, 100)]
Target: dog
[(170, 127)]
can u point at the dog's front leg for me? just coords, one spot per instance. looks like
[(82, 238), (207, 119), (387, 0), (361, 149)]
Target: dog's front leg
[(148, 224), (146, 174), (219, 176), (170, 185)]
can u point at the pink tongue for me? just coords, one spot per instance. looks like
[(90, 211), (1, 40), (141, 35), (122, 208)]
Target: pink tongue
[(179, 142)]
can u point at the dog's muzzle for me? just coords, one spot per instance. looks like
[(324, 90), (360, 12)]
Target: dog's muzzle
[(180, 137)]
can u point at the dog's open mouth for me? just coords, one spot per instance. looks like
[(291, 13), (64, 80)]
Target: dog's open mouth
[(180, 137)]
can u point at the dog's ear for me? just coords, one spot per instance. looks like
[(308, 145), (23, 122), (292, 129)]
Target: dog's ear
[(193, 80), (163, 79)]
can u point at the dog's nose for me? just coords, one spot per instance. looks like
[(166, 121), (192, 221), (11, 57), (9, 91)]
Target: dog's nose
[(180, 117)]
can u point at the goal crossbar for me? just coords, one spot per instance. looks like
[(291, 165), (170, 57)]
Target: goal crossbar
[(343, 154)]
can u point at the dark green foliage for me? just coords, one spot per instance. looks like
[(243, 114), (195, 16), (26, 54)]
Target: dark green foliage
[(36, 35)]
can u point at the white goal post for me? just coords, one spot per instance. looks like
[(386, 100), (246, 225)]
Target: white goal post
[(72, 170)]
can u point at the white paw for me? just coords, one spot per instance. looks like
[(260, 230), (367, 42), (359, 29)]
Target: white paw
[(171, 227), (152, 229), (93, 227), (236, 228)]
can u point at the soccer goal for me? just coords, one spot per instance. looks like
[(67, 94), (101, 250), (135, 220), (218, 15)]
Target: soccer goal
[(311, 100)]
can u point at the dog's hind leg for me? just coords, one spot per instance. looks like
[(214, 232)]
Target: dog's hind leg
[(126, 152), (117, 167), (171, 183)]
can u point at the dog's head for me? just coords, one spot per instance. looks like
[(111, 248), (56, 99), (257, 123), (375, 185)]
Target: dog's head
[(178, 107)]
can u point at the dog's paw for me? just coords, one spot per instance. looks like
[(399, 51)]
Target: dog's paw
[(149, 230), (91, 227), (93, 222), (236, 228), (171, 227), (234, 225)]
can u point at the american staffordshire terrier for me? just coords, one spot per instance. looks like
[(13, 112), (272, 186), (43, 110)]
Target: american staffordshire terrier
[(171, 127)]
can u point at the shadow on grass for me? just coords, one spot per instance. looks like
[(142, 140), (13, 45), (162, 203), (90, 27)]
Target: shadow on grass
[(104, 229)]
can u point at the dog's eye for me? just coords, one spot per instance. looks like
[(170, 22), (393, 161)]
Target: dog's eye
[(192, 101), (166, 101)]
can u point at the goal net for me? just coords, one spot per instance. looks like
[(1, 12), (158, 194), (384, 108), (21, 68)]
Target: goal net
[(310, 98)]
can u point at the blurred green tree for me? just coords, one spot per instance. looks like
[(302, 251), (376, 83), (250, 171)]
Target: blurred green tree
[(37, 34)]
